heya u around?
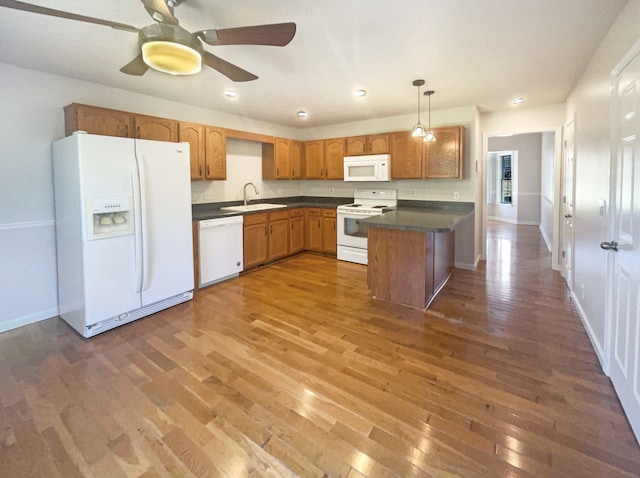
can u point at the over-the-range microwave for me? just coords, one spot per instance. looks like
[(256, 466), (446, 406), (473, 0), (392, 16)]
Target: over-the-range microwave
[(373, 167)]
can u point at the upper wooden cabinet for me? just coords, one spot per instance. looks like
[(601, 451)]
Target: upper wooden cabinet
[(406, 156), (275, 159), (158, 129), (207, 146), (370, 144), (412, 158), (334, 158), (314, 159), (295, 158), (282, 159), (215, 153), (193, 134), (443, 158), (96, 120)]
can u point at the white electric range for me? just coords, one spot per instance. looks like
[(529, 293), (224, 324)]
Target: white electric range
[(351, 236)]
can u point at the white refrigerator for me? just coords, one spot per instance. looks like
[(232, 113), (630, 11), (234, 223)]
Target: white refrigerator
[(123, 229)]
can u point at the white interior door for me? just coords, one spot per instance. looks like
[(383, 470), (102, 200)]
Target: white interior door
[(568, 187), (624, 246)]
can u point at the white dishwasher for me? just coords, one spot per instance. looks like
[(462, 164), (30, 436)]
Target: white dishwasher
[(220, 249)]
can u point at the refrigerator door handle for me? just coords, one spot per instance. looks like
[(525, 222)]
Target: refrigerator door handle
[(137, 208), (143, 223)]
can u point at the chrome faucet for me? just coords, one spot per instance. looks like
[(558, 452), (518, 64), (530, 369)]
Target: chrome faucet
[(255, 189)]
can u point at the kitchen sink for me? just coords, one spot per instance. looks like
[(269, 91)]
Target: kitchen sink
[(252, 207)]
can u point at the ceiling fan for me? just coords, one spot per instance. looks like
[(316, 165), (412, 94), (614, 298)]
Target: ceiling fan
[(167, 47)]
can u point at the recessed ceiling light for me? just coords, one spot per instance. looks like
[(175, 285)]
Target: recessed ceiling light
[(230, 93), (302, 114), (359, 93), (517, 101)]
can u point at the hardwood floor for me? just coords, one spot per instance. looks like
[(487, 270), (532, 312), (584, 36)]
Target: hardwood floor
[(292, 370)]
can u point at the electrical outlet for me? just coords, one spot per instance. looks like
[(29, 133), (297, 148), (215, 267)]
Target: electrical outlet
[(413, 192), (582, 291), (456, 195), (331, 190), (208, 194)]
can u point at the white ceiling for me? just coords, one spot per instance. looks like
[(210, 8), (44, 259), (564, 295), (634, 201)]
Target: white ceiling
[(471, 52)]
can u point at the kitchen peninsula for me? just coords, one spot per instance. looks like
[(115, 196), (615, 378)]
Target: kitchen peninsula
[(411, 251)]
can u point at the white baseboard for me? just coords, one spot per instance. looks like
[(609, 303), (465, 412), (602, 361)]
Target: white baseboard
[(590, 332), (470, 267), (27, 319), (545, 237), (513, 221)]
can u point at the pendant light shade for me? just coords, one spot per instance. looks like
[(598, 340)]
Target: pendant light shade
[(418, 130), (429, 136)]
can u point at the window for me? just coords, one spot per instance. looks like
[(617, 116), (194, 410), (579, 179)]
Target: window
[(505, 179)]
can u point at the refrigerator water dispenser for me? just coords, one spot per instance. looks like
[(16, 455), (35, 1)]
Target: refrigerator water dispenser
[(109, 216)]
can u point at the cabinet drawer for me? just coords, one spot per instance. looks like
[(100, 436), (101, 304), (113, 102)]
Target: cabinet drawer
[(299, 212), (279, 215), (329, 213), (314, 211), (251, 219)]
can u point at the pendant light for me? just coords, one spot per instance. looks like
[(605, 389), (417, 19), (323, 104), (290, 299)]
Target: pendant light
[(429, 136), (418, 130)]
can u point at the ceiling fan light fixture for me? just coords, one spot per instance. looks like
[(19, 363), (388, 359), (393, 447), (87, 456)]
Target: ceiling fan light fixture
[(171, 57)]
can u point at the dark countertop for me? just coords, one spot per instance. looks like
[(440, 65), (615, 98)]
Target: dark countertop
[(428, 216), (201, 212)]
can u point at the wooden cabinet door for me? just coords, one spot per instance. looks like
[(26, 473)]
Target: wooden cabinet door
[(356, 145), (313, 229), (159, 129), (278, 239), (314, 159), (281, 147), (334, 158), (443, 158), (256, 242), (378, 143), (329, 233), (406, 156), (194, 135), (296, 230), (295, 159), (95, 120), (215, 153)]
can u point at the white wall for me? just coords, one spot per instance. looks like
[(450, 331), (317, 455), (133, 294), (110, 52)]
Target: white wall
[(590, 102), (547, 186), (526, 176)]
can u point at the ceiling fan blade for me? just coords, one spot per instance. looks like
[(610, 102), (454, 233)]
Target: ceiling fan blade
[(160, 11), (136, 67), (27, 7), (277, 34), (229, 70)]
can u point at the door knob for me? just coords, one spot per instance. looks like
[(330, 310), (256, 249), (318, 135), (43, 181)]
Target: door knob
[(609, 246), (568, 216)]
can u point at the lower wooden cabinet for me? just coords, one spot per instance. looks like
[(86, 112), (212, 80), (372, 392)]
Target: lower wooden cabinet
[(296, 230), (278, 235), (256, 240), (266, 237), (313, 230), (321, 230), (329, 233)]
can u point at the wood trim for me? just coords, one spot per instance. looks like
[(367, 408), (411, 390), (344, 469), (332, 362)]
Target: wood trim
[(248, 136)]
